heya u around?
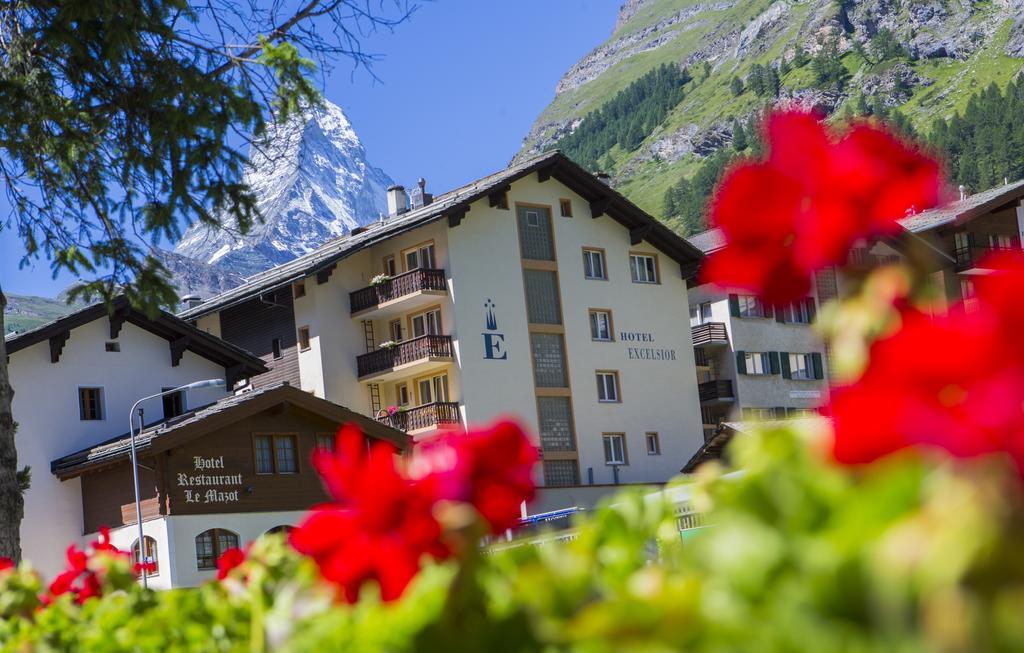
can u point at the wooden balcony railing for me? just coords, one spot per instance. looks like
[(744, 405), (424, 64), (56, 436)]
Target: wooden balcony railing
[(423, 417), (712, 390), (709, 333), (396, 287), (403, 353)]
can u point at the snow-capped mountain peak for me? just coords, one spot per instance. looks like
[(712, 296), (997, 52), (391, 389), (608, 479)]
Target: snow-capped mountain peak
[(312, 182)]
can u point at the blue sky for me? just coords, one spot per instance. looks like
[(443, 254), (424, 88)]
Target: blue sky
[(459, 86)]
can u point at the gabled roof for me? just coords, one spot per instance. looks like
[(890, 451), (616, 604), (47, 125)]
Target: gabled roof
[(164, 325), (966, 209), (708, 241), (454, 205), (172, 432)]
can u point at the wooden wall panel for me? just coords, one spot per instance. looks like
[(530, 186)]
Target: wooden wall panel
[(108, 496), (255, 324)]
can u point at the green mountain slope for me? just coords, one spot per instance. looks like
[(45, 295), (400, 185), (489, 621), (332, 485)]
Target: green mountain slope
[(919, 59), (26, 312)]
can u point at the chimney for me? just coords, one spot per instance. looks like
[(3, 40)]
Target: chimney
[(419, 196), (190, 301), (963, 192), (396, 201), (604, 177)]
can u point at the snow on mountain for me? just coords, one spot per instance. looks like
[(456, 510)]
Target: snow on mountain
[(313, 184)]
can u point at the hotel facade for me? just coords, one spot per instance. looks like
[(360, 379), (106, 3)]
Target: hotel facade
[(537, 293), (760, 362)]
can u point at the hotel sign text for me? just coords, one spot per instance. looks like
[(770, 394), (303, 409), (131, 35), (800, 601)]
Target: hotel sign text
[(643, 352), (209, 487)]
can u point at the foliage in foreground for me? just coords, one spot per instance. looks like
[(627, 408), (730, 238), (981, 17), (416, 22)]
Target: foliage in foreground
[(912, 554)]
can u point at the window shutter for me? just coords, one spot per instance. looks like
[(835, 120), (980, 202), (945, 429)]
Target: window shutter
[(741, 362), (819, 370), (779, 412), (780, 315), (812, 309), (734, 305), (769, 312), (784, 360), (773, 361)]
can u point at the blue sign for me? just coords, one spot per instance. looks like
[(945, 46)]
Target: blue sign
[(494, 342)]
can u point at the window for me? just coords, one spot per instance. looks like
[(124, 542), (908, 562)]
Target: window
[(536, 242), (426, 324), (325, 441), (548, 351), (90, 403), (556, 424), (565, 206), (1000, 241), (150, 557), (543, 305), (211, 545), (593, 264), (275, 454), (643, 268), (390, 268), (799, 312), (174, 403), (801, 367), (402, 394), (759, 413), (275, 348), (614, 448), (112, 346), (750, 306), (395, 330), (421, 256), (299, 289), (700, 313), (601, 325), (561, 473), (653, 443), (757, 362), (434, 389), (303, 338), (608, 386)]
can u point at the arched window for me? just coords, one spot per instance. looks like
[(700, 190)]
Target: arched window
[(150, 557), (211, 544), (283, 528)]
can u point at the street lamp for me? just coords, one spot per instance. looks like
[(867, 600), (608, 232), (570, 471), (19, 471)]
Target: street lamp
[(209, 383)]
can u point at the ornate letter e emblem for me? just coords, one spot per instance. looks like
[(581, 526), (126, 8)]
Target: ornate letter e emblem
[(494, 343)]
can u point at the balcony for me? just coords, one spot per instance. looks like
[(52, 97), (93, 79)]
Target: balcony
[(715, 391), (969, 260), (401, 293), (423, 354), (424, 418), (709, 334)]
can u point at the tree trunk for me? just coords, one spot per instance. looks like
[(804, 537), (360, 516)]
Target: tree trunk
[(12, 504)]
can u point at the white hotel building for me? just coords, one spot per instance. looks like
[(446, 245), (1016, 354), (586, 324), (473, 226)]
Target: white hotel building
[(537, 292)]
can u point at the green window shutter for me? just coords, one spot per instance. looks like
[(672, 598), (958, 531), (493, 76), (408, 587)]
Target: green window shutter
[(734, 305), (812, 309), (773, 362), (741, 362), (819, 369), (784, 359)]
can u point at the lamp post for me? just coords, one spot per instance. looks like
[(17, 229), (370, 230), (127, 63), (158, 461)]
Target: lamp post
[(209, 383)]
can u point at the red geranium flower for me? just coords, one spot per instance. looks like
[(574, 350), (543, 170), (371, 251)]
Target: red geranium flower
[(83, 575), (228, 560), (954, 382), (810, 200), (6, 563), (490, 468), (380, 526)]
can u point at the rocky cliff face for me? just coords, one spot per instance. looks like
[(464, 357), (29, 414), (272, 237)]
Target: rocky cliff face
[(313, 182), (953, 48)]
